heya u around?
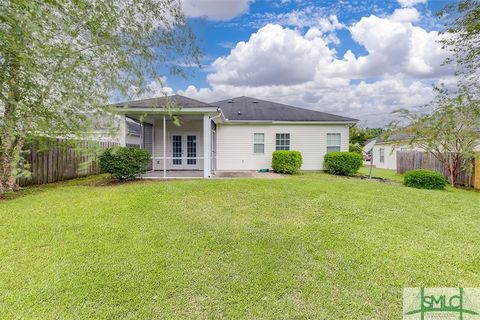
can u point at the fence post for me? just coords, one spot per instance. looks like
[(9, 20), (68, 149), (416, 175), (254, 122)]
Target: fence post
[(476, 183)]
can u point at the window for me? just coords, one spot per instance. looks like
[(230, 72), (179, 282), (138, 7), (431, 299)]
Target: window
[(282, 141), (382, 155), (333, 142), (258, 143)]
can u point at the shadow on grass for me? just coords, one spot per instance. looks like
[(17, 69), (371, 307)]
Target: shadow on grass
[(100, 180)]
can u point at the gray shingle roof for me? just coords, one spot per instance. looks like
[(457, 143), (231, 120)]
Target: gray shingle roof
[(158, 102), (246, 108), (395, 137)]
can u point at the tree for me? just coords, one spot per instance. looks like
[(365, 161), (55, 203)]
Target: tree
[(450, 132), (461, 38), (359, 135), (61, 61)]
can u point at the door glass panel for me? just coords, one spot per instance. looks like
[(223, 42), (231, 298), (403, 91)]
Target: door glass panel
[(177, 150), (191, 149)]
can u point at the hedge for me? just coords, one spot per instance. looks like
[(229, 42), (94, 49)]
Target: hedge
[(284, 161), (125, 163), (424, 179), (342, 163)]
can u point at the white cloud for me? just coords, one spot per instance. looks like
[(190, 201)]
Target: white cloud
[(299, 68), (372, 103), (269, 55), (405, 15), (215, 9), (410, 3), (393, 47), (154, 89)]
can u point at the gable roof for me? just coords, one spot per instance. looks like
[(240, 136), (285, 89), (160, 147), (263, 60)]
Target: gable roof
[(159, 102), (395, 137), (252, 109)]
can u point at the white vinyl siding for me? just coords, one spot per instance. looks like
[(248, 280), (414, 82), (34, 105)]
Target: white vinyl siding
[(282, 141), (187, 126), (234, 144), (258, 143), (333, 142)]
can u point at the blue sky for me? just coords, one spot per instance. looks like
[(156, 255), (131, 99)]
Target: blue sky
[(358, 58)]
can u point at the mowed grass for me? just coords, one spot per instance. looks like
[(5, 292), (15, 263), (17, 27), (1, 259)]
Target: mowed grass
[(308, 246), (381, 173)]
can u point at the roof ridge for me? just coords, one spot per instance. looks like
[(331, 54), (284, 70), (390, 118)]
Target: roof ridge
[(287, 105)]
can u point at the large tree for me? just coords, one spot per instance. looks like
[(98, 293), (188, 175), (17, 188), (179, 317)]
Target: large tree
[(61, 61), (450, 132), (461, 36)]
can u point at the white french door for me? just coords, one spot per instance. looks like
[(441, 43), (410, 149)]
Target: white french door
[(183, 151)]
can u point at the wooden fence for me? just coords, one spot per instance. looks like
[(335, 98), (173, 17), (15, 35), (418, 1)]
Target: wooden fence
[(409, 160), (55, 160)]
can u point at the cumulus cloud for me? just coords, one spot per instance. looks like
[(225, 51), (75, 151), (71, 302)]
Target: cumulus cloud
[(372, 103), (393, 47), (410, 3), (405, 15), (215, 9), (272, 56), (297, 66)]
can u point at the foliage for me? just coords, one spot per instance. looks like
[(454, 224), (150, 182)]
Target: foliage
[(450, 132), (359, 135), (286, 161), (60, 61), (343, 163), (180, 242), (124, 163), (355, 148), (461, 34), (424, 179)]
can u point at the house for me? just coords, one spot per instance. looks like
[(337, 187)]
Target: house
[(384, 151), (238, 134)]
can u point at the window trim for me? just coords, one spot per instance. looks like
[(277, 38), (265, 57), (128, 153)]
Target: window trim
[(381, 157), (339, 146), (284, 146), (257, 143)]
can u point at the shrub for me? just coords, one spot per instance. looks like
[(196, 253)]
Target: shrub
[(124, 163), (343, 163), (424, 179), (284, 161), (354, 148)]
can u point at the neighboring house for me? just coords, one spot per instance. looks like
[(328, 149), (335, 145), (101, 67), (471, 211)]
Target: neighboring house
[(384, 152), (237, 134)]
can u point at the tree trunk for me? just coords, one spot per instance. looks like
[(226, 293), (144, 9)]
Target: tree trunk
[(453, 160), (11, 146)]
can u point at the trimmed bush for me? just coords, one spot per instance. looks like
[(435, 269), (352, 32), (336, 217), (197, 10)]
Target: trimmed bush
[(125, 163), (424, 179), (342, 163), (286, 161)]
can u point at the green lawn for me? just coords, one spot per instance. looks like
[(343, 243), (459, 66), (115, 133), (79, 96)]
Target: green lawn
[(309, 246), (382, 173)]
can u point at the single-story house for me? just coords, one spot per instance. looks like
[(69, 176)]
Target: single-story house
[(236, 134), (384, 151)]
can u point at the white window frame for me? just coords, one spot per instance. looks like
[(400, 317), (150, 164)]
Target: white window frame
[(382, 155), (284, 140), (257, 143), (338, 146)]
